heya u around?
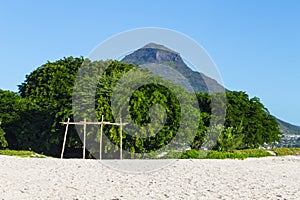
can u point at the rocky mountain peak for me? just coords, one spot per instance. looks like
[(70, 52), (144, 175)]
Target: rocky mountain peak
[(160, 55), (158, 47)]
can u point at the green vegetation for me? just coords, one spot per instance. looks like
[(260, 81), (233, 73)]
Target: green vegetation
[(31, 119), (3, 142), (193, 154), (239, 154), (189, 154), (248, 124), (252, 119), (21, 153), (287, 151)]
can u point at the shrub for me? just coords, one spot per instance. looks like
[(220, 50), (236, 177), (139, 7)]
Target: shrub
[(238, 154), (193, 154)]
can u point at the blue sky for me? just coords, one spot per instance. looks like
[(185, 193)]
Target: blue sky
[(255, 44)]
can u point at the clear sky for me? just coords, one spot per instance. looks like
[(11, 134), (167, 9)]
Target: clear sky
[(255, 44)]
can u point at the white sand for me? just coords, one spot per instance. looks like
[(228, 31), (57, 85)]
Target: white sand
[(263, 178)]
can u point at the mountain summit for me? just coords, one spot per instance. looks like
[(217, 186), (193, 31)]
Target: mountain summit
[(158, 46), (158, 56)]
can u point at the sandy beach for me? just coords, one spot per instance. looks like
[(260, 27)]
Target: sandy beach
[(49, 178)]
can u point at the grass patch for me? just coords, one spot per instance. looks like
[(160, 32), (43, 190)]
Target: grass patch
[(238, 154), (189, 154), (21, 153), (287, 151)]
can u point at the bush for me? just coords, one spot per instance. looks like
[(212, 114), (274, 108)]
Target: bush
[(193, 154), (238, 154)]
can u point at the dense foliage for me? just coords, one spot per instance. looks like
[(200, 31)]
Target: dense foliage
[(248, 124), (150, 104), (3, 142), (11, 106), (31, 119)]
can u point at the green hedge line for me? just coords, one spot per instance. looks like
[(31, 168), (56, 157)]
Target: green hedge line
[(239, 154)]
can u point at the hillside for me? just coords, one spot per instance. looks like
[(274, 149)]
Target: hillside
[(288, 128), (154, 56), (291, 134)]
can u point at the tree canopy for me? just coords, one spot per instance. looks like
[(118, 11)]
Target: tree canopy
[(31, 119)]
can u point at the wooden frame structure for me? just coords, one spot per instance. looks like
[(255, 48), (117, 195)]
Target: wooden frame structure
[(84, 124)]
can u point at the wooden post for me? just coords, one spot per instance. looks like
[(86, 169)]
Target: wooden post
[(100, 141), (84, 137), (85, 123), (65, 138), (121, 148)]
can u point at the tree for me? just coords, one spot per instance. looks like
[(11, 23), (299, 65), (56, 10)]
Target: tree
[(11, 105), (258, 125), (146, 134), (48, 94), (248, 124), (160, 109), (3, 142)]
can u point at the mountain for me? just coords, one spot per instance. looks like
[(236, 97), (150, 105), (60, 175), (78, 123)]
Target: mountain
[(291, 134), (288, 128), (169, 64)]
